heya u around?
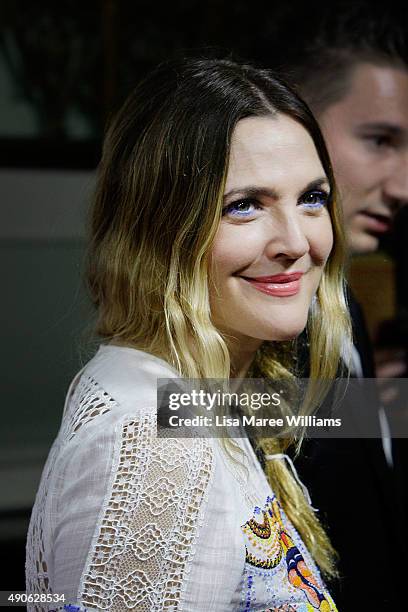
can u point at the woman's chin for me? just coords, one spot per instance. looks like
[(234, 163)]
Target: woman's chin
[(266, 331), (290, 331), (284, 337)]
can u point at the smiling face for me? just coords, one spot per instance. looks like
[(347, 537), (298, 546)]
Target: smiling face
[(275, 234), (367, 137)]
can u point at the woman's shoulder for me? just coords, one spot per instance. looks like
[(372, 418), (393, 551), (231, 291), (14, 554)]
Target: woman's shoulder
[(128, 374), (116, 381)]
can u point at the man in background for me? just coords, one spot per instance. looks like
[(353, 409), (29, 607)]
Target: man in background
[(353, 73)]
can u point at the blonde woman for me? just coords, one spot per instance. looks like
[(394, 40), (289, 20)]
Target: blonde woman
[(213, 229)]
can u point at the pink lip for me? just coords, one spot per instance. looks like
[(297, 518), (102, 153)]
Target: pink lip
[(280, 285), (376, 223)]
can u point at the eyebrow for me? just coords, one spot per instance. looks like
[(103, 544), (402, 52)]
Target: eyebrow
[(252, 191), (384, 126)]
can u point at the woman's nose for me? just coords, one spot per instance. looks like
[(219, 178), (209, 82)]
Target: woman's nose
[(287, 239)]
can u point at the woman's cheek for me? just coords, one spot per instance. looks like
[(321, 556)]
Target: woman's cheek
[(321, 240), (235, 247)]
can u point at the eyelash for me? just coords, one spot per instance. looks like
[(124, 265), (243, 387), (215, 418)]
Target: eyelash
[(229, 209), (374, 138)]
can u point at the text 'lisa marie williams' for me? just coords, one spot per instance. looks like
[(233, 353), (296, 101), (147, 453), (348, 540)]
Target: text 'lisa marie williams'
[(252, 421)]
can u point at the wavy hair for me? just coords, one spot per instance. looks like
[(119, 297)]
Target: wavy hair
[(156, 211)]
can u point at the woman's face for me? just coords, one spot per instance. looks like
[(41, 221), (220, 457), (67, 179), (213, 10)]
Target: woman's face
[(275, 234)]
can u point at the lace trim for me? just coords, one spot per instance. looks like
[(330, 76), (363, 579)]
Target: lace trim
[(87, 402), (144, 544)]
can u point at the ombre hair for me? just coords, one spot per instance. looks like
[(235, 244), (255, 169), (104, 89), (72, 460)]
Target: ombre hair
[(155, 214)]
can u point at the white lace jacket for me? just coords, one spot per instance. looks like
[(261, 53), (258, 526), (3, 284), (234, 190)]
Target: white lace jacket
[(124, 520)]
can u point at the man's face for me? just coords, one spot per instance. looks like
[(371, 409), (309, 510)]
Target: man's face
[(367, 136)]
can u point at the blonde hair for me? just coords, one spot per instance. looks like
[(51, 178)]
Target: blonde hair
[(155, 214)]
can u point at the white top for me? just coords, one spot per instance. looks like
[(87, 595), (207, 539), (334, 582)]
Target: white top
[(124, 520)]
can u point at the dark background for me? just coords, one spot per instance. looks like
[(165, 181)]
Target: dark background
[(64, 69)]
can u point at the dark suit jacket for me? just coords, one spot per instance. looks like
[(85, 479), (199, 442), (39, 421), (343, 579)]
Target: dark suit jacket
[(354, 489)]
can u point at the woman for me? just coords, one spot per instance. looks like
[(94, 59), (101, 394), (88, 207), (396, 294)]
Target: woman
[(212, 232)]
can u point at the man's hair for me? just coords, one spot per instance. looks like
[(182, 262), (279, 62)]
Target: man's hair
[(339, 39)]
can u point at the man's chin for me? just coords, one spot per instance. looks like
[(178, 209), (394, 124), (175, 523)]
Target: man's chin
[(362, 242)]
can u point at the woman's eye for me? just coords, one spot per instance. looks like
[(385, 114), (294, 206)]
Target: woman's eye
[(315, 199), (240, 208)]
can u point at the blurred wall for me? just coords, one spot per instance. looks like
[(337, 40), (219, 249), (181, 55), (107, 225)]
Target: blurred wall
[(46, 314)]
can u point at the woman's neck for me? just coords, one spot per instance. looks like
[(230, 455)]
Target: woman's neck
[(242, 358)]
